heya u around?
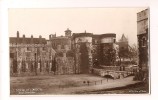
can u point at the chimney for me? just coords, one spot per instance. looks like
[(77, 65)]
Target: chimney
[(17, 34), (17, 41), (31, 38), (40, 40), (23, 36), (50, 37)]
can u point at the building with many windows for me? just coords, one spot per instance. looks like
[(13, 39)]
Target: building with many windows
[(30, 56)]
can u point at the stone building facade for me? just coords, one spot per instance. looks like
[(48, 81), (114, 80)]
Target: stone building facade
[(30, 56), (61, 42), (69, 54), (64, 55), (143, 41)]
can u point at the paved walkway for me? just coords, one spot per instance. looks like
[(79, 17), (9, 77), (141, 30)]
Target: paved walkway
[(105, 85)]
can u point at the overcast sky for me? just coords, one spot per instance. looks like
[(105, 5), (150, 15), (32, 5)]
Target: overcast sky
[(94, 20)]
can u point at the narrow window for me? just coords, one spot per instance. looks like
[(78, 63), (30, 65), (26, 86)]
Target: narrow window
[(143, 42), (28, 49)]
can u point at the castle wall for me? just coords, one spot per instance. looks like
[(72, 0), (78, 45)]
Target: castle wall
[(56, 56), (143, 39), (62, 42), (30, 60), (142, 21), (65, 65)]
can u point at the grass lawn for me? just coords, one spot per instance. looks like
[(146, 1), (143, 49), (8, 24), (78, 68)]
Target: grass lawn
[(69, 84), (42, 84)]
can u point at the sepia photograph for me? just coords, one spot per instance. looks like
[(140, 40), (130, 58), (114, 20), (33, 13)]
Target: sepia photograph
[(79, 51)]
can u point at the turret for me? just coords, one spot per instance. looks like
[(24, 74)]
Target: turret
[(68, 33)]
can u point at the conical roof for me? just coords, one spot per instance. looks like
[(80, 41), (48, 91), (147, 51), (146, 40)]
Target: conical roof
[(123, 38)]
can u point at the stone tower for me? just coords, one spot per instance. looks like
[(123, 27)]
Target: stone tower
[(68, 33), (143, 39), (107, 49), (82, 45)]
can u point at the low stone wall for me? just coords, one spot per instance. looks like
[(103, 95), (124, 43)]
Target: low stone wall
[(114, 68), (97, 71), (112, 73)]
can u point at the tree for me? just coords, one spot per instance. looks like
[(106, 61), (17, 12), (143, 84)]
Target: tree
[(112, 56), (133, 52), (129, 54), (123, 54)]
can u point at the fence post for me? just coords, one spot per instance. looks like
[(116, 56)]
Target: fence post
[(88, 83)]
